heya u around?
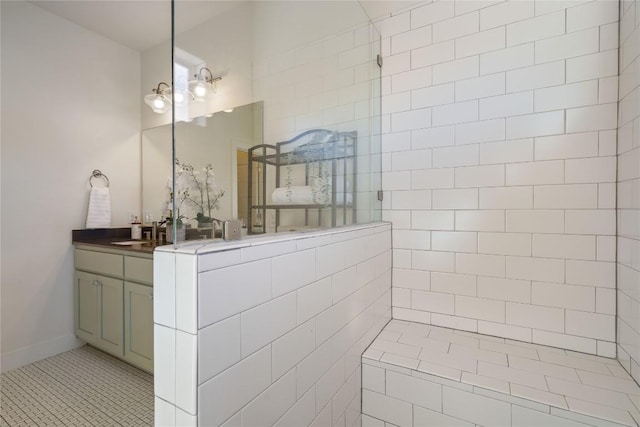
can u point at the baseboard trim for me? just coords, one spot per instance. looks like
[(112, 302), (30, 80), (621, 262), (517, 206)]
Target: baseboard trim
[(25, 355)]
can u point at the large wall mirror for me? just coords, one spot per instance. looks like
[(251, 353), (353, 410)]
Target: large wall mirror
[(213, 150)]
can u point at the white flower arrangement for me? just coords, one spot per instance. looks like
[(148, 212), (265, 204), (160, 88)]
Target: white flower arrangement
[(197, 188), (181, 194)]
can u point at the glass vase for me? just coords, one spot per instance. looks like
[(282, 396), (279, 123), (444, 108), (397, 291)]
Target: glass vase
[(181, 233)]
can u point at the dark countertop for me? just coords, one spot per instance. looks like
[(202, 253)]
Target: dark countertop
[(143, 247), (107, 237)]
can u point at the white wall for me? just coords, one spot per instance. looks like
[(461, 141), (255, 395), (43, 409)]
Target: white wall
[(628, 189), (70, 104), (499, 168), (269, 330)]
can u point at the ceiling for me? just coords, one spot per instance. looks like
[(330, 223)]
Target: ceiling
[(142, 24), (138, 24)]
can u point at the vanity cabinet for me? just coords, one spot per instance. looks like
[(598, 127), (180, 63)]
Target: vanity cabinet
[(113, 292), (99, 311)]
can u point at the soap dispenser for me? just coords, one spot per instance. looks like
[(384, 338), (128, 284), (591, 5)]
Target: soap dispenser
[(136, 229)]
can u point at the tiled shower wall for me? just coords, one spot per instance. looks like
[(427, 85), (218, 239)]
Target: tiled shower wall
[(499, 168), (269, 332), (328, 84), (628, 190)]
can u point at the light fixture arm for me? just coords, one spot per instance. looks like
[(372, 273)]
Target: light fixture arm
[(209, 79), (158, 90)]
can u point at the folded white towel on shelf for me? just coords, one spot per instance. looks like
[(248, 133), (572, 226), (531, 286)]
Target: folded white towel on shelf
[(306, 195), (294, 195), (99, 212)]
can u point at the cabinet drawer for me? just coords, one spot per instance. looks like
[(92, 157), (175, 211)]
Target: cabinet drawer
[(138, 269), (99, 262)]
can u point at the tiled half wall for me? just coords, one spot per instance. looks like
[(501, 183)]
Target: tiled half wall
[(499, 168), (269, 331)]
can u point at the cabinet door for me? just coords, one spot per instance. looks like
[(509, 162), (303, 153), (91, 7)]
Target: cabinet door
[(138, 323), (86, 306), (110, 332)]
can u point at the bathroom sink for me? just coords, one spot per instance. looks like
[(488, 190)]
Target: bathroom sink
[(131, 242)]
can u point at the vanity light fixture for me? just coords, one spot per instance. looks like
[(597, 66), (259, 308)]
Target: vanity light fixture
[(180, 97), (204, 85), (200, 90), (160, 99)]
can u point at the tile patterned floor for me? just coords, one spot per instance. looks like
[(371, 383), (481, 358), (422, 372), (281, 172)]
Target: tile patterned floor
[(573, 381), (82, 387)]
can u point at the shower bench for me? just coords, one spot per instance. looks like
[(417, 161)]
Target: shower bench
[(416, 375)]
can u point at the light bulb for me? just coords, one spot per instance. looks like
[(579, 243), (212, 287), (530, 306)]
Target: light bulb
[(200, 90), (178, 97), (158, 101)]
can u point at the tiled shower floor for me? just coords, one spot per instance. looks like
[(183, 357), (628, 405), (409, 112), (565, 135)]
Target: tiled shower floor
[(82, 387), (575, 382)]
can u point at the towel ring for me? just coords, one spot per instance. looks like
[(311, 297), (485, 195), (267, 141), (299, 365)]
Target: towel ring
[(97, 174)]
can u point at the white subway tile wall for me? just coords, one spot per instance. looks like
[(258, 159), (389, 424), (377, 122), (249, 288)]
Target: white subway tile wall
[(334, 83), (291, 356), (500, 144), (628, 187)]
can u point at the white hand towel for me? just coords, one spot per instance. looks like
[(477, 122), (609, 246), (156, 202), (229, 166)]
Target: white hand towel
[(99, 212)]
